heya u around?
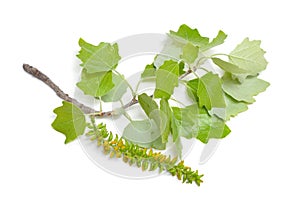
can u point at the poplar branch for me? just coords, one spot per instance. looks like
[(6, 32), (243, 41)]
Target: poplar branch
[(87, 110), (45, 79)]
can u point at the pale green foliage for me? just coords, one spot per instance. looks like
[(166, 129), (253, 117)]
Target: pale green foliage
[(69, 120), (166, 110), (249, 56), (171, 51), (97, 78), (104, 57), (244, 91), (147, 103), (218, 40), (211, 127), (96, 84), (190, 53), (247, 59), (142, 132), (119, 89), (210, 92), (234, 107), (228, 67), (185, 34), (157, 118), (149, 71), (215, 98), (186, 44), (166, 79), (197, 123), (145, 133)]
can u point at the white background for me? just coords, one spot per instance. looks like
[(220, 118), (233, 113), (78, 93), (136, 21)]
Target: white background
[(255, 167)]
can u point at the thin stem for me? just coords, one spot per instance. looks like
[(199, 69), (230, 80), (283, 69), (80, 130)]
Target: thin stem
[(205, 69), (195, 74), (185, 74), (128, 84), (175, 100), (219, 54), (201, 61), (124, 111), (100, 104)]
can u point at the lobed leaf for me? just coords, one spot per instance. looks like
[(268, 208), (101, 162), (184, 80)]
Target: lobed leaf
[(144, 133), (210, 91), (119, 89), (160, 117), (218, 40), (149, 71), (104, 57), (187, 120), (171, 51), (69, 121), (211, 127), (249, 56), (186, 34), (189, 53), (147, 103), (228, 67), (234, 107), (96, 84), (166, 79), (195, 122), (245, 91)]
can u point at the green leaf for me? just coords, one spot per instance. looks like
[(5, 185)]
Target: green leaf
[(245, 91), (190, 53), (196, 122), (249, 56), (186, 34), (144, 133), (69, 120), (149, 71), (187, 120), (218, 40), (228, 67), (178, 146), (181, 68), (157, 144), (160, 117), (147, 103), (171, 51), (119, 89), (165, 108), (169, 72), (161, 120), (186, 37), (211, 127), (210, 91), (233, 107), (175, 126), (192, 88), (87, 50), (96, 84), (104, 57)]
